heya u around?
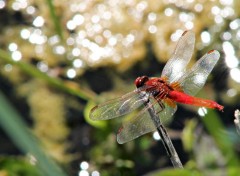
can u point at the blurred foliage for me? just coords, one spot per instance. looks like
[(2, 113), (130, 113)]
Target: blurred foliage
[(58, 59), (13, 125), (13, 166)]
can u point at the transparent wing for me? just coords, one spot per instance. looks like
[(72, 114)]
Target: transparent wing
[(119, 106), (167, 113), (193, 80), (142, 123), (175, 67)]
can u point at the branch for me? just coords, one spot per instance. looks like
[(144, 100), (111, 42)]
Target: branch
[(165, 137)]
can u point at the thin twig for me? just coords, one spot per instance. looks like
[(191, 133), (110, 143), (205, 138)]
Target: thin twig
[(237, 120), (165, 137)]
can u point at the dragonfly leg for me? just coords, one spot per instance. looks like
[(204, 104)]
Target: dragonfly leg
[(161, 95), (162, 106)]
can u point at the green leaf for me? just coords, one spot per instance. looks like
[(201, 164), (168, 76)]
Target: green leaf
[(17, 166), (99, 123), (218, 132), (17, 130)]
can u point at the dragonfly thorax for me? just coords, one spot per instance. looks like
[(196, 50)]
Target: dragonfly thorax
[(157, 87)]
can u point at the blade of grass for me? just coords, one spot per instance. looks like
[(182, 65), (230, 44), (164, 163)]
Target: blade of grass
[(55, 19), (33, 71), (218, 132), (17, 130)]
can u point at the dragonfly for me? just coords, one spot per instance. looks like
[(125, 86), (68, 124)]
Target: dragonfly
[(177, 84)]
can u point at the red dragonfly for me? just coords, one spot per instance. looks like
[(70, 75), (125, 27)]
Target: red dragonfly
[(176, 84)]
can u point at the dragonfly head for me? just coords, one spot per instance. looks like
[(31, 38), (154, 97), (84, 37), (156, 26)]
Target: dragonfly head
[(140, 81)]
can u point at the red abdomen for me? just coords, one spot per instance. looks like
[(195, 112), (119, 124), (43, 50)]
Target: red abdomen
[(181, 97)]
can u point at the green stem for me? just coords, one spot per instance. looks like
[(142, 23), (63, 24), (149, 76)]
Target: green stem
[(55, 19), (31, 70)]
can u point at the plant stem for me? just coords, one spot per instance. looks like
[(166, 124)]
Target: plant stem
[(167, 143), (55, 19), (33, 71)]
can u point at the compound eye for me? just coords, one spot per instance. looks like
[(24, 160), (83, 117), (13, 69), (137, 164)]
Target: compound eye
[(140, 81)]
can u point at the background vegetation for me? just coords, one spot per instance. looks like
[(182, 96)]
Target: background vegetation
[(60, 58)]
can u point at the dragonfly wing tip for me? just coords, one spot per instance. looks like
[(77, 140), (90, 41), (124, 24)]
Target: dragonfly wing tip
[(92, 114), (119, 140)]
